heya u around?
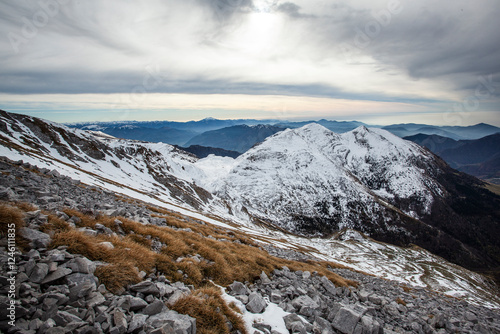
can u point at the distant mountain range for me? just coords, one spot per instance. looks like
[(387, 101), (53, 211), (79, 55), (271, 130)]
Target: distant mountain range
[(180, 133), (454, 132), (335, 126), (480, 157), (238, 138), (128, 131)]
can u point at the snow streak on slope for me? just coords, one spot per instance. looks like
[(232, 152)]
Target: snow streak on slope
[(298, 176)]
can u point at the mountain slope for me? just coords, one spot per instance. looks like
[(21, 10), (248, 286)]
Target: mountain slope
[(434, 143), (311, 180), (203, 151), (473, 152), (237, 138), (143, 169)]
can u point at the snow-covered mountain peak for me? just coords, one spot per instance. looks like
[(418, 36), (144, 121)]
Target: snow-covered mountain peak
[(313, 174)]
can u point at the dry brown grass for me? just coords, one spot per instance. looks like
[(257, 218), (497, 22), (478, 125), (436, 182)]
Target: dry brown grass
[(80, 243), (401, 301), (86, 220), (125, 249), (55, 224), (12, 216), (118, 275), (26, 207), (406, 288), (210, 310), (229, 261)]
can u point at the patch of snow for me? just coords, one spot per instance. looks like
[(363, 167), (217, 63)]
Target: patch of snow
[(272, 316)]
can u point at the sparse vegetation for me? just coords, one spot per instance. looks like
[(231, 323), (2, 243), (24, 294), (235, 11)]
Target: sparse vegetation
[(223, 260), (211, 312), (11, 215), (194, 253), (118, 275)]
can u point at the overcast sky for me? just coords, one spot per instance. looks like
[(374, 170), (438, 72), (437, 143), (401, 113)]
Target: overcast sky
[(378, 61)]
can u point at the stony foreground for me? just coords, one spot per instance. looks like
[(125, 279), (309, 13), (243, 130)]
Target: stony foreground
[(57, 291)]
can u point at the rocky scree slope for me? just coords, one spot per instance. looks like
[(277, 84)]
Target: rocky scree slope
[(58, 290)]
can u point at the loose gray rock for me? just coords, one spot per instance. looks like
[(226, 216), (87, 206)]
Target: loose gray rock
[(56, 275), (39, 272), (346, 320), (81, 265), (256, 304), (238, 288), (137, 323), (154, 308), (147, 288), (181, 324), (136, 304), (120, 321), (37, 239)]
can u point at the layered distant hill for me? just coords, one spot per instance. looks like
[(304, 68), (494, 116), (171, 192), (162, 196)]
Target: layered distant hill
[(238, 138), (454, 132), (480, 157)]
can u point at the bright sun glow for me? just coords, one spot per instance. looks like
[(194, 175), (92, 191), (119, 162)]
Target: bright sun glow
[(260, 33)]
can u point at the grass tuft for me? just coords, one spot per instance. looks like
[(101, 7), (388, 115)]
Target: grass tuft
[(11, 216), (211, 311), (118, 275)]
